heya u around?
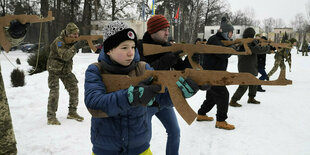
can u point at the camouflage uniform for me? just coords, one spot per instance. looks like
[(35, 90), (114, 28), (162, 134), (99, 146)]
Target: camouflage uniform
[(7, 137), (279, 61), (59, 66)]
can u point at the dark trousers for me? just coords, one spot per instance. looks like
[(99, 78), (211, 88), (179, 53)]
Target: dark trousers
[(219, 96), (242, 89), (263, 74)]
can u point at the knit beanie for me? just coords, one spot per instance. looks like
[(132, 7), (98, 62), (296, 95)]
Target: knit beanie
[(156, 23), (248, 33), (71, 28), (226, 25), (115, 33)]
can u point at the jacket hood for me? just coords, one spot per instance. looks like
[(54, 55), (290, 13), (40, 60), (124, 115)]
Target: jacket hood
[(219, 34)]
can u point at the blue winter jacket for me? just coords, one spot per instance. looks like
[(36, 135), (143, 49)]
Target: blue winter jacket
[(125, 130)]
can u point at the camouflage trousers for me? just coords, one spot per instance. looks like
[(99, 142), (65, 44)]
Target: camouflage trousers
[(7, 137), (70, 82), (242, 89), (277, 63)]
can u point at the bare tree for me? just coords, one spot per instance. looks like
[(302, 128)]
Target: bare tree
[(214, 10), (196, 14), (308, 10), (299, 25), (86, 19), (2, 5), (269, 24), (279, 23), (244, 17), (118, 8)]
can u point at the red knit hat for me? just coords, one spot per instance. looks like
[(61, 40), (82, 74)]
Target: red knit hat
[(156, 23)]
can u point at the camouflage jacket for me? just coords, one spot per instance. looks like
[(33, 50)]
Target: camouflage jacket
[(61, 54)]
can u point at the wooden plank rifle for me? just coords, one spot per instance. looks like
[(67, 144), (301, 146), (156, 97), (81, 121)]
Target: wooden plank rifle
[(262, 42), (168, 79), (189, 50), (88, 38), (24, 18)]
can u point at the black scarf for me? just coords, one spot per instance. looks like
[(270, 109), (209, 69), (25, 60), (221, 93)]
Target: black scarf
[(116, 68)]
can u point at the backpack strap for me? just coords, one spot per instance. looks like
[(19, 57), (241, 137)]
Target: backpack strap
[(93, 112)]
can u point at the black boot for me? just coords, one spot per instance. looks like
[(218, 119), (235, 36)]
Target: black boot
[(260, 89)]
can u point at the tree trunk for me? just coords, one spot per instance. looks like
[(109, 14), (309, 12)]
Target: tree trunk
[(3, 7), (44, 11), (96, 3), (72, 15), (113, 9), (86, 20)]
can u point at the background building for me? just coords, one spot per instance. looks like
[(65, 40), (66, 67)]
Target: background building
[(238, 31)]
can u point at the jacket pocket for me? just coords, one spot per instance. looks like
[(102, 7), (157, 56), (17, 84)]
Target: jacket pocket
[(55, 65)]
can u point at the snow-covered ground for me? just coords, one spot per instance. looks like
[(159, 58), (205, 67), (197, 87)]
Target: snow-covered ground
[(279, 125)]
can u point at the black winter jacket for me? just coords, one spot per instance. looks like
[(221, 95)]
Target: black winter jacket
[(216, 61)]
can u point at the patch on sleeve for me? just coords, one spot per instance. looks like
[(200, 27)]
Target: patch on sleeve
[(59, 43)]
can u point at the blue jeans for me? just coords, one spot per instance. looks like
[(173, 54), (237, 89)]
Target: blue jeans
[(168, 118), (263, 74)]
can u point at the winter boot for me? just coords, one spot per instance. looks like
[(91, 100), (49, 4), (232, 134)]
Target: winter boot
[(234, 104), (224, 125), (74, 115), (260, 89), (53, 121), (252, 100), (204, 118)]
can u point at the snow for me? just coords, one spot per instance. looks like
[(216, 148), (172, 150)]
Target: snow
[(279, 125)]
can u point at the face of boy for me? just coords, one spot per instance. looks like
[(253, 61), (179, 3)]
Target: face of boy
[(123, 53)]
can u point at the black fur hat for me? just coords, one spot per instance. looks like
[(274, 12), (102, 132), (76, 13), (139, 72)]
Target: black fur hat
[(249, 33)]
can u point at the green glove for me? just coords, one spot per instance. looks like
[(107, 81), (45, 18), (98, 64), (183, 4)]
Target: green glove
[(144, 93), (187, 86)]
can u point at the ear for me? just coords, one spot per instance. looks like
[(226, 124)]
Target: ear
[(109, 53)]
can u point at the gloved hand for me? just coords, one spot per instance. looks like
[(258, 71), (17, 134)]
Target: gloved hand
[(196, 57), (255, 42), (172, 56), (187, 86), (17, 29), (272, 48), (205, 87), (144, 93), (79, 44)]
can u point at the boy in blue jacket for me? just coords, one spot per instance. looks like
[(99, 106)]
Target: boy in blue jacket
[(124, 129)]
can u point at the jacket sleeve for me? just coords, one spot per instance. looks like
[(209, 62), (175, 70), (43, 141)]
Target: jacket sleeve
[(257, 49), (218, 43), (64, 52), (96, 97)]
